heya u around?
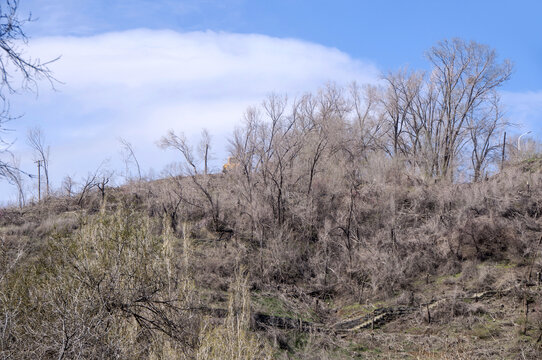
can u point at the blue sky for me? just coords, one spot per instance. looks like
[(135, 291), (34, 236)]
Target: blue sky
[(137, 68), (390, 33)]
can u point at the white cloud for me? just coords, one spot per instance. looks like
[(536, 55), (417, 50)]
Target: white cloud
[(525, 110), (143, 58), (138, 84)]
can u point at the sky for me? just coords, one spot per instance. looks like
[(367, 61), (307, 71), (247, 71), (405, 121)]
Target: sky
[(135, 69)]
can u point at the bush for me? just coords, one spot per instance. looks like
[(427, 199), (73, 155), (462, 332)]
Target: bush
[(232, 340), (110, 290)]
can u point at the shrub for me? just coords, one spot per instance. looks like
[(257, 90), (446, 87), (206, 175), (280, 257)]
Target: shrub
[(109, 290), (232, 340)]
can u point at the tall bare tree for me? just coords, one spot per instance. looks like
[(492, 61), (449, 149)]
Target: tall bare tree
[(36, 140), (367, 122), (464, 76), (432, 119), (402, 89), (484, 129)]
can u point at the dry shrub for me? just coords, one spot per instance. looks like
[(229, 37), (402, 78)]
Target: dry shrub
[(469, 271), (407, 297), (284, 260), (387, 273), (483, 239), (215, 262), (485, 280), (450, 309), (232, 340), (60, 224), (110, 290), (476, 309), (455, 308)]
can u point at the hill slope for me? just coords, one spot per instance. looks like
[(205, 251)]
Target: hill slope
[(392, 268)]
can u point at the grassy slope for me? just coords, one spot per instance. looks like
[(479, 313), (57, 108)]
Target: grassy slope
[(491, 327)]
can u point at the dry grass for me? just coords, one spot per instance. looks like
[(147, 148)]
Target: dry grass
[(338, 253)]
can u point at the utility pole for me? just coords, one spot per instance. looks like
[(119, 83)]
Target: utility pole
[(39, 179)]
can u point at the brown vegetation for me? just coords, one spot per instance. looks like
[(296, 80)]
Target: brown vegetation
[(342, 206)]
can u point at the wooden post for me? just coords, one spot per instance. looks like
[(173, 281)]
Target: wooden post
[(428, 313)]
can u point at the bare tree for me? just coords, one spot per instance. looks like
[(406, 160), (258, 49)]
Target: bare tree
[(171, 197), (278, 148), (104, 178), (367, 122), (129, 155), (192, 167), (16, 178), (68, 185), (88, 184), (17, 71), (464, 76), (401, 92), (484, 131), (433, 119), (204, 149), (244, 152), (36, 140), (97, 179)]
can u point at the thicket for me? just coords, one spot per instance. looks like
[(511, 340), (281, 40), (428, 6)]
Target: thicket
[(352, 193), (360, 189), (116, 288)]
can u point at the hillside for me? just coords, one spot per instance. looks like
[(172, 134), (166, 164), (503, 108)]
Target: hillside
[(398, 267)]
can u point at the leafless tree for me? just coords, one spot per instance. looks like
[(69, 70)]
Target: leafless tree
[(464, 76), (171, 198), (16, 178), (192, 168), (484, 130), (36, 140), (68, 185), (276, 150), (129, 155), (17, 70), (99, 178), (368, 119), (104, 178), (402, 89), (244, 152), (88, 184), (433, 119), (204, 150)]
